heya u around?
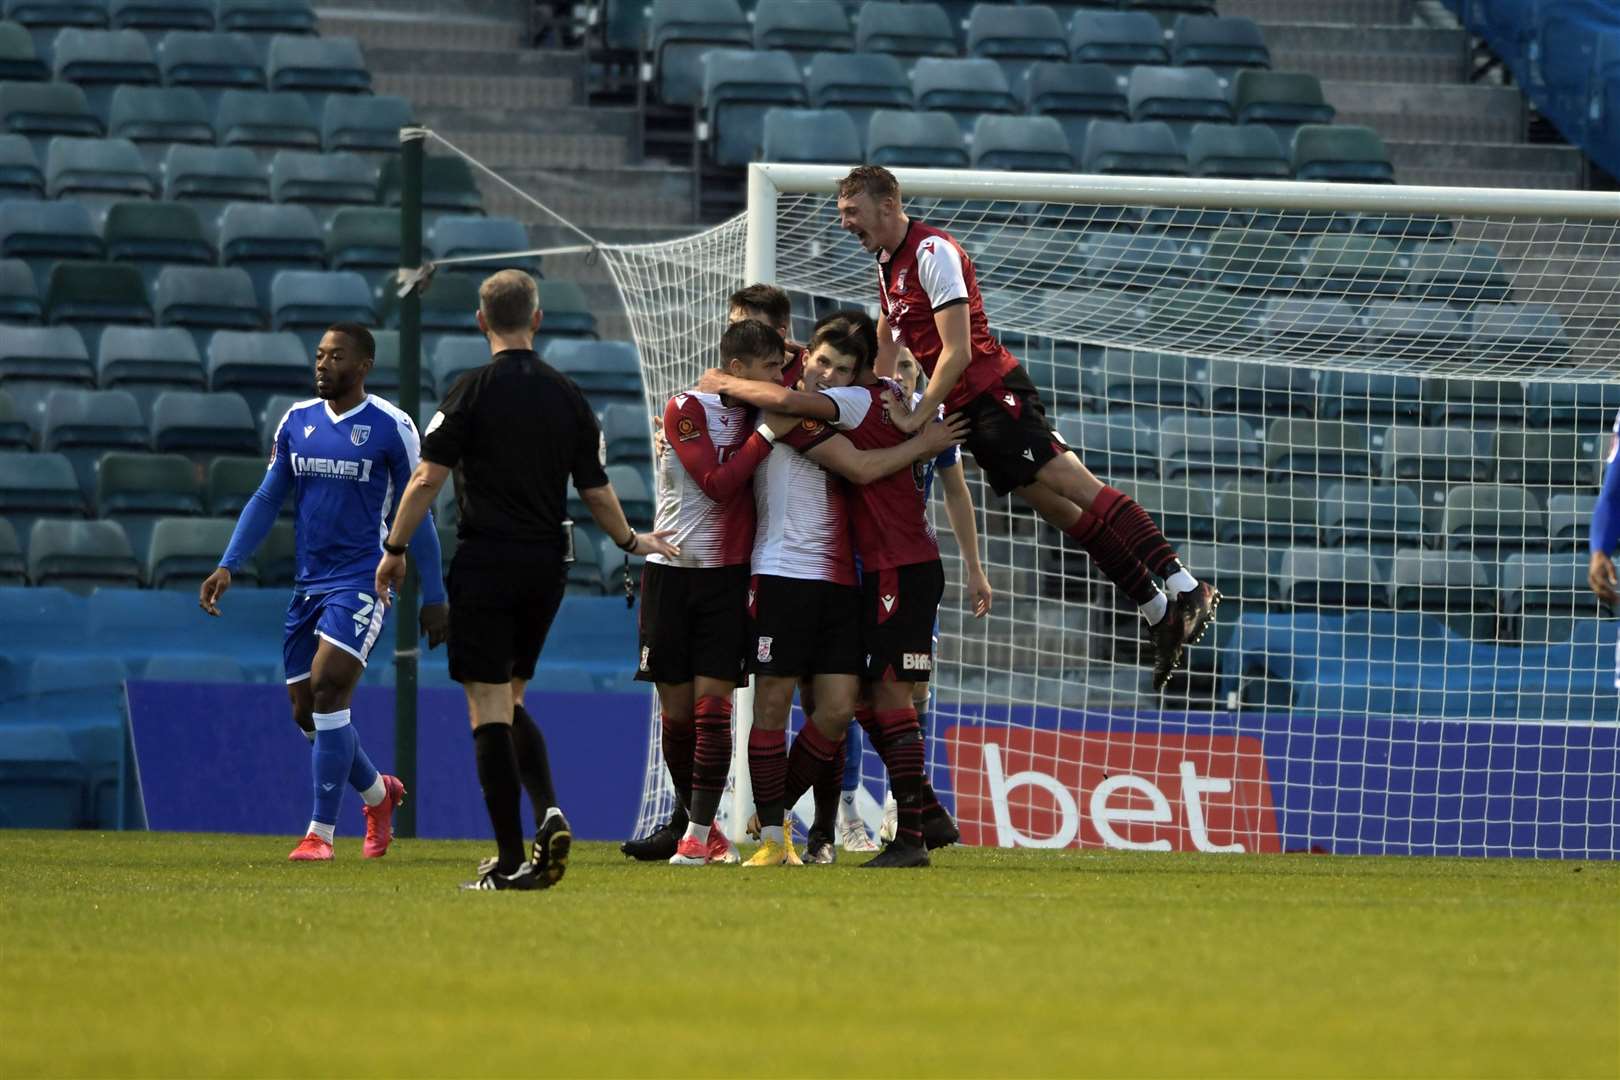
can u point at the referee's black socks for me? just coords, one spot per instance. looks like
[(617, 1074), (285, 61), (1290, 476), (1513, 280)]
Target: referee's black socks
[(534, 767), (498, 776)]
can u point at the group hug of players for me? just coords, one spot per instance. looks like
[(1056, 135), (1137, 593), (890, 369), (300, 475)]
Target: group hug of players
[(792, 481)]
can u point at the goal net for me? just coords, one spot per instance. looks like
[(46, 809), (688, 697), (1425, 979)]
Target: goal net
[(1375, 417)]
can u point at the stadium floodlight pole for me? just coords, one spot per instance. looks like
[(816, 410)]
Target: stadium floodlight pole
[(406, 637)]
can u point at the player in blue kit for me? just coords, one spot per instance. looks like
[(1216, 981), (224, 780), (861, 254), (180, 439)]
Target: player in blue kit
[(1606, 535), (346, 456)]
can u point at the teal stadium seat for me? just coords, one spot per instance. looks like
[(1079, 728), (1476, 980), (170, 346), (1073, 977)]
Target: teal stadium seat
[(1015, 37), (1314, 449), (803, 27), (1511, 331), (44, 354), (41, 234), (1240, 152), (13, 568), (1021, 144), (266, 16), (151, 235), (1453, 586), (232, 482), (739, 88), (905, 31), (96, 172), (1283, 101), (85, 424), (453, 356), (567, 312), (156, 15), (448, 306), (635, 493), (203, 425), (15, 432), (20, 174), (1458, 272), (964, 88), (1473, 403), (454, 235), (308, 301), (265, 240), (1547, 460), (1119, 40), (615, 564), (154, 117), (1544, 594), (584, 576), (605, 368), (19, 60), (680, 32), (1345, 153), (99, 60), (1209, 449), (857, 84), (186, 550), (1254, 511), (626, 434), (1180, 97), (816, 136), (210, 62), (1224, 45), (1261, 389), (206, 298), (37, 485), (322, 181), (905, 139), (1332, 578), (1139, 149), (1118, 446), (1074, 95), (210, 173), (385, 370), (81, 555), (19, 296), (259, 366), (1569, 521), (448, 185), (365, 239), (317, 65), (1566, 406), (364, 123), (147, 360), (266, 121), (137, 489), (1493, 521)]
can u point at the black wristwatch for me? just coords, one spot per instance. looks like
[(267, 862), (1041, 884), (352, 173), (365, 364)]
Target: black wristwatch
[(628, 542), (393, 549)]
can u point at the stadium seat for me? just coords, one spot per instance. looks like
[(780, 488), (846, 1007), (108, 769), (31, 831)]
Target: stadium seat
[(364, 239), (899, 139), (1146, 149), (13, 569), (1457, 272), (136, 490), (1573, 406), (1180, 97), (904, 31), (1251, 260), (738, 89), (1208, 449), (1407, 232), (1190, 316), (566, 311), (271, 415), (1118, 40), (266, 121), (277, 560), (453, 356), (858, 84), (618, 567), (1369, 398), (98, 60), (1261, 389), (600, 368), (322, 181), (147, 360), (1550, 459), (385, 371), (186, 550), (152, 234), (89, 295), (210, 62), (1451, 454), (19, 296), (42, 780), (818, 136), (1015, 37), (206, 298), (1569, 521), (317, 65), (449, 306), (1074, 95), (1312, 449), (585, 572), (45, 354), (266, 16), (81, 555), (232, 482), (1223, 45), (1021, 143), (1241, 152), (1543, 595), (1117, 446), (225, 173), (44, 16), (680, 32), (96, 172), (1470, 403), (84, 424), (1332, 578), (20, 174), (1344, 264), (202, 425), (153, 117), (265, 240), (34, 485), (1403, 327), (1344, 153), (1493, 521), (448, 184), (964, 88), (1181, 511), (1281, 100), (154, 15), (259, 366), (1253, 511), (803, 27), (363, 123), (308, 301), (1241, 573), (625, 434), (1450, 585), (1169, 12), (1518, 330), (635, 495), (454, 235), (19, 60), (1136, 260)]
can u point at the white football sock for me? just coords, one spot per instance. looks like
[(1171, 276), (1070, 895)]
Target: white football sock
[(1155, 608), (376, 793), (1179, 582), (697, 832), (325, 832)]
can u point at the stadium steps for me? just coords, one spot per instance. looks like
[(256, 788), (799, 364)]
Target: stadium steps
[(477, 91), (1343, 12), (1437, 113), (632, 195), (404, 30), (1398, 54), (1499, 165)]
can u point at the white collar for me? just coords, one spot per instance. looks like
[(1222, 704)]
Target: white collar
[(335, 418)]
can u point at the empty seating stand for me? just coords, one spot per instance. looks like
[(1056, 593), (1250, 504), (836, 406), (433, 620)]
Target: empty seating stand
[(680, 32), (857, 84), (738, 89)]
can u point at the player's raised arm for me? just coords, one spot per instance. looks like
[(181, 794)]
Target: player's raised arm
[(954, 333), (254, 523)]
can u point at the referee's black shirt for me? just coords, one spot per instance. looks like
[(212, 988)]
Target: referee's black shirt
[(514, 431)]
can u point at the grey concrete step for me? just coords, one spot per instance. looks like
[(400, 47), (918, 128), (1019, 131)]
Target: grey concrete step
[(1495, 165), (629, 196), (1344, 12), (562, 120), (410, 30), (515, 12), (480, 91), (1369, 53), (1432, 113), (504, 152), (505, 63)]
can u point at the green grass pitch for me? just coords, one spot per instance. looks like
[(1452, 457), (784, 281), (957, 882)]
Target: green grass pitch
[(173, 955)]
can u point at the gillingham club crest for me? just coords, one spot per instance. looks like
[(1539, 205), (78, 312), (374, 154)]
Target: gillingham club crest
[(764, 652), (359, 434)]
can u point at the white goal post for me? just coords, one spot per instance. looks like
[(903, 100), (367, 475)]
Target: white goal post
[(1373, 414)]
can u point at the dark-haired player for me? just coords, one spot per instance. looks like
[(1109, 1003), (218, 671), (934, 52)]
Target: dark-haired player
[(931, 304), (345, 456)]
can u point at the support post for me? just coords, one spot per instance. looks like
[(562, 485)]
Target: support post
[(406, 637)]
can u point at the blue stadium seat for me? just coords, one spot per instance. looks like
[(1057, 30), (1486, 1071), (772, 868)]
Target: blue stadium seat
[(453, 356), (1369, 398), (1332, 578), (1572, 406), (738, 89), (151, 235), (317, 65), (680, 33), (42, 781), (820, 136), (1431, 326), (1255, 511), (259, 366), (1224, 45), (186, 550), (208, 173), (19, 296), (1450, 585), (13, 569), (265, 240), (20, 174), (266, 120), (195, 424), (99, 60), (1260, 389), (1242, 152), (1457, 272), (85, 424), (600, 368), (37, 485), (1134, 380), (1209, 448), (1015, 37), (266, 16), (1473, 403), (1021, 143), (567, 313), (153, 117), (803, 27), (1146, 149), (1119, 40), (899, 139), (145, 361), (155, 15), (455, 235), (1569, 521), (363, 123), (904, 31), (44, 354), (1546, 460), (858, 84), (1314, 449), (210, 62), (96, 172), (136, 490), (205, 299), (963, 88), (81, 555), (322, 181), (625, 434), (308, 301), (1074, 95), (1344, 153), (1341, 264), (1181, 97), (19, 59), (1118, 446), (1280, 100), (1493, 521)]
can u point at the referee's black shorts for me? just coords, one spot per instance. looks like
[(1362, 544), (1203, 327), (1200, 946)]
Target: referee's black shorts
[(694, 622), (503, 598)]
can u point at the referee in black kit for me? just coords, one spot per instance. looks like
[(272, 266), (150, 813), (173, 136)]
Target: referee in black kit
[(514, 431)]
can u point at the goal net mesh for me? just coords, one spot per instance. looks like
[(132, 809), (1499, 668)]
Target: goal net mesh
[(1379, 435)]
